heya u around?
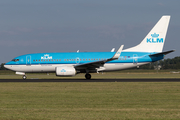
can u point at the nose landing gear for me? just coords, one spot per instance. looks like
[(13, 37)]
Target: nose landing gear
[(24, 77)]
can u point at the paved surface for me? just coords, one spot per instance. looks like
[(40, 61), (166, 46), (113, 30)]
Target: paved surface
[(92, 80)]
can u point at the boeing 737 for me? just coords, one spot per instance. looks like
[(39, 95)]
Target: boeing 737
[(70, 64)]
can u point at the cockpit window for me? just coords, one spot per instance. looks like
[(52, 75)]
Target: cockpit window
[(15, 60)]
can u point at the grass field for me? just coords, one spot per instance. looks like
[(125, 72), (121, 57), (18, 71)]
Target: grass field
[(89, 101)]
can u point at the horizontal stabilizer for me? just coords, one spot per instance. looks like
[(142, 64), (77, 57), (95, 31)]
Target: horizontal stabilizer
[(162, 53)]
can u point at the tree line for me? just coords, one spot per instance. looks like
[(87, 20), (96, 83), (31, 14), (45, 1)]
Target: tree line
[(170, 63), (2, 66), (173, 63)]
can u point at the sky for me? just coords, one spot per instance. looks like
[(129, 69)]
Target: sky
[(39, 26)]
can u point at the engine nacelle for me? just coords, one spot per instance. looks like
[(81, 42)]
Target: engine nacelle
[(65, 71)]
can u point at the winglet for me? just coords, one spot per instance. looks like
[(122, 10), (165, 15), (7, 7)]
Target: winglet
[(112, 49), (118, 53)]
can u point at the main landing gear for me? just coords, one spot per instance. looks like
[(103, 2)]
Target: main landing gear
[(88, 76), (24, 77)]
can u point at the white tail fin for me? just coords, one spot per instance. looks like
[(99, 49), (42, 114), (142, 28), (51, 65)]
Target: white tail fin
[(155, 39)]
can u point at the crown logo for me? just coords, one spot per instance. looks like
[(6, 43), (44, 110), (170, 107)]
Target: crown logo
[(63, 70), (154, 35), (46, 56)]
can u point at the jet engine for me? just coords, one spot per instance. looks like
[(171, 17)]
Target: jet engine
[(65, 71)]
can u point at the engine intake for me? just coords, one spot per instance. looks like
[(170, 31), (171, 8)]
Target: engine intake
[(65, 71)]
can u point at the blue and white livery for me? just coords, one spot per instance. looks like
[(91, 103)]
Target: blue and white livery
[(70, 64)]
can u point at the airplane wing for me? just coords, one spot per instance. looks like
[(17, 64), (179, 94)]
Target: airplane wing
[(97, 64)]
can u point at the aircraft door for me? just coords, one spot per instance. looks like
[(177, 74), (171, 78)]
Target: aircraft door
[(28, 60), (77, 60), (135, 59)]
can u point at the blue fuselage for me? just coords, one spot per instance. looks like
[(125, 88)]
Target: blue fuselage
[(81, 58), (48, 62)]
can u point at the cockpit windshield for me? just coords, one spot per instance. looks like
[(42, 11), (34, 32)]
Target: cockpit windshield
[(15, 60)]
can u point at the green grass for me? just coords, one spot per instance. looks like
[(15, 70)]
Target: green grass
[(90, 101)]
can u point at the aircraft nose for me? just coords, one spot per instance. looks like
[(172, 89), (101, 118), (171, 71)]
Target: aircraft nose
[(6, 66)]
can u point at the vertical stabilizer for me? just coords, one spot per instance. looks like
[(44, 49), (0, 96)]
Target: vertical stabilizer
[(155, 39)]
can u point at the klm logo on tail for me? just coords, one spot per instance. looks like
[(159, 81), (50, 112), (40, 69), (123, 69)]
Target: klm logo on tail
[(155, 39)]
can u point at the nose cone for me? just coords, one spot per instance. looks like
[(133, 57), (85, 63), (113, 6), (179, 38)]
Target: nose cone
[(7, 65)]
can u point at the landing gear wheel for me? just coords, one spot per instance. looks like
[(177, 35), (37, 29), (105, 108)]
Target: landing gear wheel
[(88, 76), (24, 77)]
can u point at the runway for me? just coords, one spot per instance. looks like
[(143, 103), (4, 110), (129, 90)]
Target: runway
[(92, 80)]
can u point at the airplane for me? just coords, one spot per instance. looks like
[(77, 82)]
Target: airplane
[(72, 63)]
